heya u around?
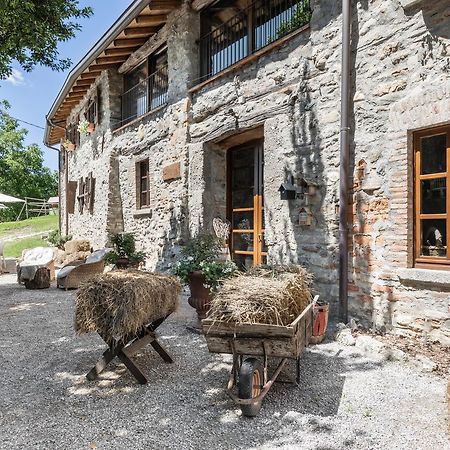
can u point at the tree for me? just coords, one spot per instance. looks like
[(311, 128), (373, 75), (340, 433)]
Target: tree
[(30, 31), (22, 171)]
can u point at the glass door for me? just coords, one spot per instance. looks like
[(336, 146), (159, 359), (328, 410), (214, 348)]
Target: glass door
[(246, 204)]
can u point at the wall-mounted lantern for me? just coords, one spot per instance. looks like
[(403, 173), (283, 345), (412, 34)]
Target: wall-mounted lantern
[(287, 190), (305, 216)]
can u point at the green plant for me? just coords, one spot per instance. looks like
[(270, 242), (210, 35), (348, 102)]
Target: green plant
[(301, 17), (56, 239), (124, 246), (83, 126), (201, 254)]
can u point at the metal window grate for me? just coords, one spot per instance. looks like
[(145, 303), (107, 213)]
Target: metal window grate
[(254, 27), (149, 94)]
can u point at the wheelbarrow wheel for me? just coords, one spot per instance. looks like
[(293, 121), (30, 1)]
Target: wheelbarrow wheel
[(250, 385)]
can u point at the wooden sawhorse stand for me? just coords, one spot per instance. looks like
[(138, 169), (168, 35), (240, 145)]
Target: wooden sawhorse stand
[(126, 348)]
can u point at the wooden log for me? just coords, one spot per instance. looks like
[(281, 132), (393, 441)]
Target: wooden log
[(145, 50), (41, 279)]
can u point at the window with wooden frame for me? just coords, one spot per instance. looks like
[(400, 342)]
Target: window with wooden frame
[(143, 184), (92, 110), (146, 87), (72, 133), (431, 200)]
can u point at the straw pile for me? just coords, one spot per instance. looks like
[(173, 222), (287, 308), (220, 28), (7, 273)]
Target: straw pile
[(120, 303), (269, 295)]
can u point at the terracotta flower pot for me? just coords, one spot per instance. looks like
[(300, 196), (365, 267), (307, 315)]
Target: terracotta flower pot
[(320, 323), (200, 295), (91, 127)]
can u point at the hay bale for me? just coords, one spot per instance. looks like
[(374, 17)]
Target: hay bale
[(77, 246), (264, 295), (120, 303)]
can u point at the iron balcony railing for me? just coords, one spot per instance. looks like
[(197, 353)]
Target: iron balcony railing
[(253, 28), (149, 94)]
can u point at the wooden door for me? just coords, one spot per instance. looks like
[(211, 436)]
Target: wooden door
[(246, 204)]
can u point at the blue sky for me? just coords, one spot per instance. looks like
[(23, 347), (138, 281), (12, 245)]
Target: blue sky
[(32, 94)]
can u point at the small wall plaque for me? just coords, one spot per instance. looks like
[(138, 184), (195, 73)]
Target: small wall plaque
[(172, 172)]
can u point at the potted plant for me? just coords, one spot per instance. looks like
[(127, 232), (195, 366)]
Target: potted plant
[(68, 145), (201, 269), (124, 254), (83, 127)]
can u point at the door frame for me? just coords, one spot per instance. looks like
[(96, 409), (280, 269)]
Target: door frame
[(258, 194)]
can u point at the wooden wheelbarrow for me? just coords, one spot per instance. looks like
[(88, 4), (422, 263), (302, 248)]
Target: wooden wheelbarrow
[(246, 343), (124, 349)]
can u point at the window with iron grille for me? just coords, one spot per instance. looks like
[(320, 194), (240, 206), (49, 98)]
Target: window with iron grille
[(431, 200), (230, 32), (143, 184), (145, 88)]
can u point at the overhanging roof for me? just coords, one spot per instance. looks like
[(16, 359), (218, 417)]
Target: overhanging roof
[(141, 20)]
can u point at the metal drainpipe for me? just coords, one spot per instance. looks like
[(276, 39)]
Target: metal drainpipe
[(66, 178), (344, 162), (59, 183)]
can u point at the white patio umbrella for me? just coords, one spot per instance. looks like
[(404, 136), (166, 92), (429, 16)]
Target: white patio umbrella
[(8, 199)]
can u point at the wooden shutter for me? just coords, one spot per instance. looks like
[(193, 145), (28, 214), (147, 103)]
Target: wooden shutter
[(71, 191), (91, 195)]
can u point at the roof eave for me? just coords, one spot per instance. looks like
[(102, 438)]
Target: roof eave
[(128, 15)]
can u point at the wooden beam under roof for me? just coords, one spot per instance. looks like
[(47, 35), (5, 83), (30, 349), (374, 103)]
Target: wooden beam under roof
[(129, 42), (100, 67), (87, 82), (79, 89), (90, 75), (119, 51), (111, 59), (140, 31), (147, 19)]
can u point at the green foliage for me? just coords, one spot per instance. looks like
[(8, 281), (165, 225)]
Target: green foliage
[(124, 246), (301, 17), (201, 254), (13, 249), (22, 171), (30, 31), (55, 238)]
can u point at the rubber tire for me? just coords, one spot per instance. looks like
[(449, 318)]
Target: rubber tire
[(245, 385)]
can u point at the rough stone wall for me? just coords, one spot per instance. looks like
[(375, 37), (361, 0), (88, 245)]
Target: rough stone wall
[(400, 72), (94, 154)]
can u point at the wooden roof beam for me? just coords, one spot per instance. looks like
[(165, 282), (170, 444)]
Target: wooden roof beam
[(111, 59), (130, 42), (100, 67), (140, 31), (147, 19), (86, 82), (119, 51), (90, 75)]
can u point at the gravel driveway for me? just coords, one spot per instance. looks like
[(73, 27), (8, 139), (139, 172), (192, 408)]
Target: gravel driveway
[(346, 401)]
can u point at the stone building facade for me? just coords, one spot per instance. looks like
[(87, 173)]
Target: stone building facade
[(288, 97)]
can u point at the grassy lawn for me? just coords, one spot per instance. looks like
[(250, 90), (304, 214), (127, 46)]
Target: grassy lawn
[(13, 249), (29, 226)]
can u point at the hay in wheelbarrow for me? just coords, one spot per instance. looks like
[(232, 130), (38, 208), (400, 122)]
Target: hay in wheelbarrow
[(118, 304), (274, 295)]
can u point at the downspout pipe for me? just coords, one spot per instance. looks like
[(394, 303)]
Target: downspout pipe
[(50, 123), (344, 163), (59, 183)]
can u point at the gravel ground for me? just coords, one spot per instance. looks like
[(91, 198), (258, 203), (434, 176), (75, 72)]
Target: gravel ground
[(345, 401)]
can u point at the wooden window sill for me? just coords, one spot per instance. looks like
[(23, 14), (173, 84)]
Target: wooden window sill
[(142, 213)]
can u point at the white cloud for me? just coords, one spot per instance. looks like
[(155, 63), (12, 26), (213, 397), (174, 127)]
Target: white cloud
[(16, 78)]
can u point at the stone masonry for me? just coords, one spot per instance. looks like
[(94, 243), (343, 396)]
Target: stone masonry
[(291, 96)]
